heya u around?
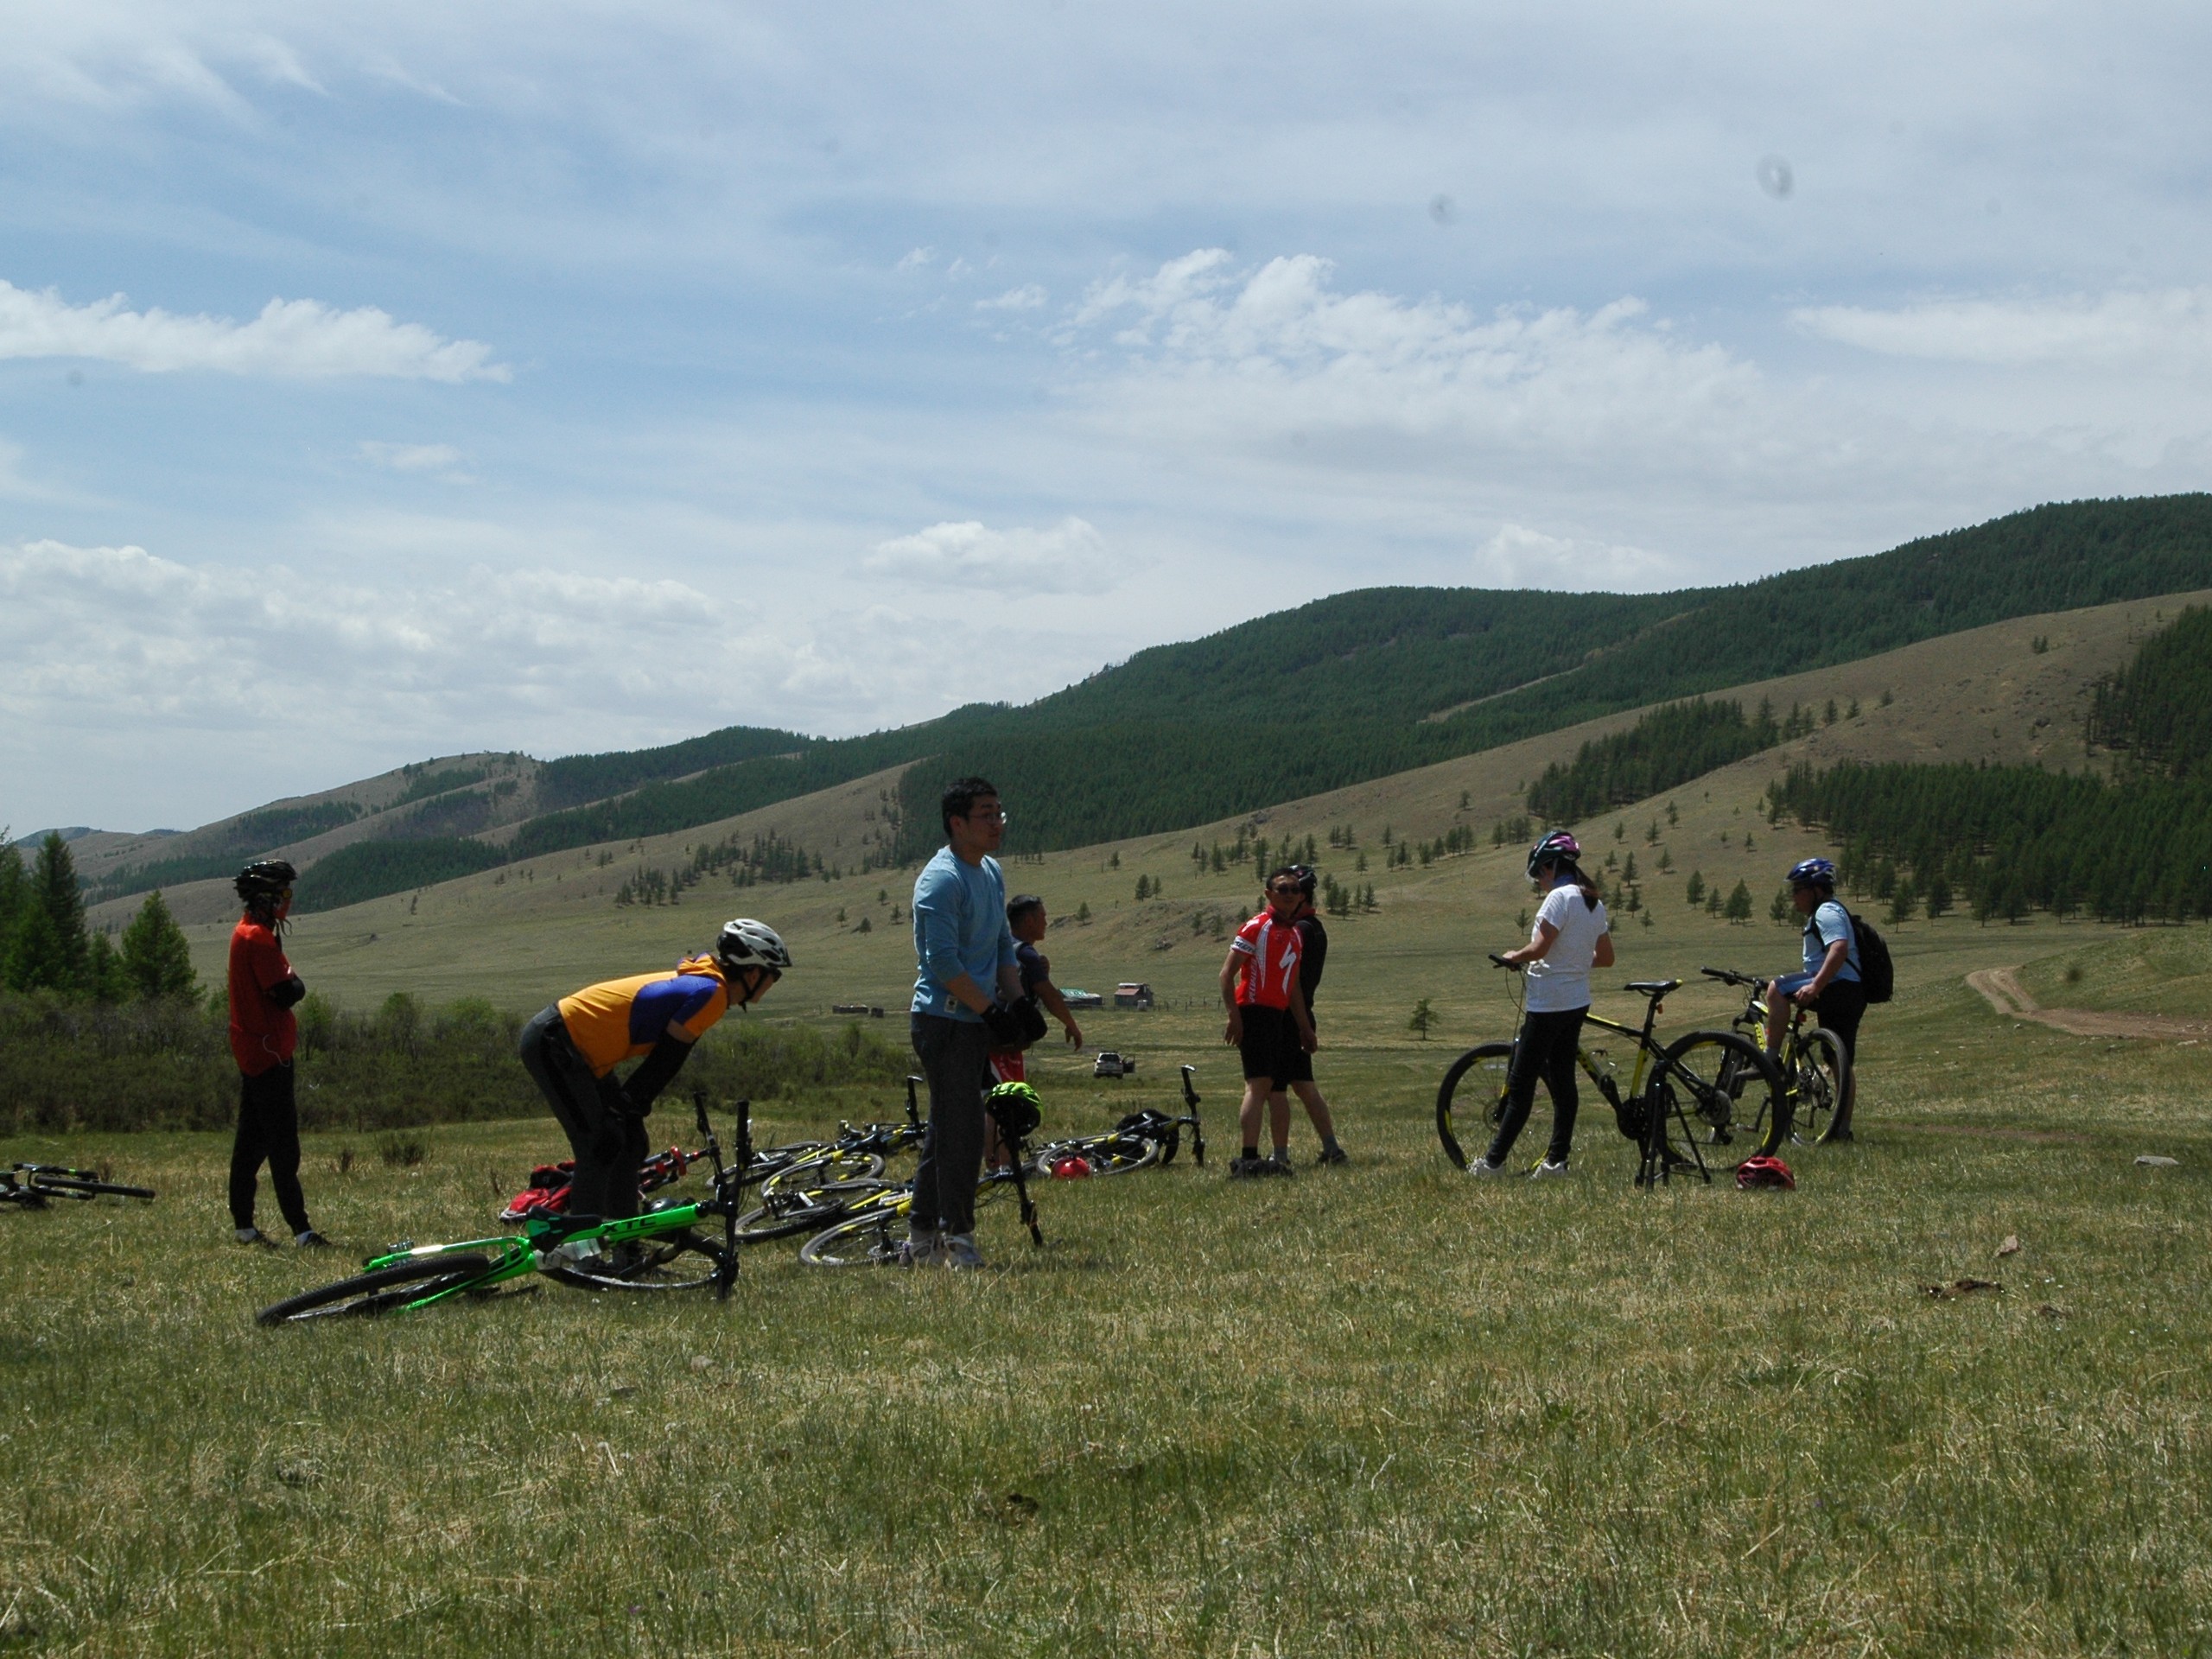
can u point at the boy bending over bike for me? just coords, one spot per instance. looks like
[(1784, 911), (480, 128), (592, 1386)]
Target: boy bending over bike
[(572, 1049)]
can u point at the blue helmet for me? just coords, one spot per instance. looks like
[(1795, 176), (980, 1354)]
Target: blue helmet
[(1813, 873)]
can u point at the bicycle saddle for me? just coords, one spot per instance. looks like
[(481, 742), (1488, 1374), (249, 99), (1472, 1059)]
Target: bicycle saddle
[(1652, 986)]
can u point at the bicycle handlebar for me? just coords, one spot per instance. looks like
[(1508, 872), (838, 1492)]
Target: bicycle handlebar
[(1730, 976)]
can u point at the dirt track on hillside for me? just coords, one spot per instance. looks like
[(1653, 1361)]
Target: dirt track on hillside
[(2008, 996)]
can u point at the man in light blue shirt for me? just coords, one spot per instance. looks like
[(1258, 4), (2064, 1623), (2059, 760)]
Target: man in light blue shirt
[(965, 971)]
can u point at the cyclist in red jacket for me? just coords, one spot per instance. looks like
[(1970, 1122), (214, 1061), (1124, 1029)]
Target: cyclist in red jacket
[(264, 1033)]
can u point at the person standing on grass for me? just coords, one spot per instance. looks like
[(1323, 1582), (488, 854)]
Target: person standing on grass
[(1026, 919), (1268, 1021), (966, 971), (1312, 955), (572, 1048), (1829, 983), (264, 991), (1571, 937)]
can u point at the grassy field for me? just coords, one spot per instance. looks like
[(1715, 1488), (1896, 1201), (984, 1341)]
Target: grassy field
[(1373, 1410)]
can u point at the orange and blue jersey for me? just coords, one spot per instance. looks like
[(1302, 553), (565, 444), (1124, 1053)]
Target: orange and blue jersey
[(620, 1020)]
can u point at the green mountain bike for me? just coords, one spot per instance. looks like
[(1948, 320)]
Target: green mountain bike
[(669, 1247)]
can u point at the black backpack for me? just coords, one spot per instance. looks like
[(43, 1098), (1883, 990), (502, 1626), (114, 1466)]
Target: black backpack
[(1875, 972)]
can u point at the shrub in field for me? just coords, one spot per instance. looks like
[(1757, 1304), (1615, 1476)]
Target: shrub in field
[(165, 1064)]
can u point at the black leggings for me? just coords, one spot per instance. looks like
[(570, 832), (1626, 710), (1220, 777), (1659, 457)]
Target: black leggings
[(608, 1140), (1544, 1050), (268, 1132)]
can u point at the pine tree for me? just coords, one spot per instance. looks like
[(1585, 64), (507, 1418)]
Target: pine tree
[(1778, 907), (1740, 904), (1694, 893), (155, 959), (104, 972), (51, 952), (14, 891), (1424, 1017)]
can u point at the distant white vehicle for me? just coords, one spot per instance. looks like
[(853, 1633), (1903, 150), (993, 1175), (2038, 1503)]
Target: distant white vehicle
[(1110, 1065)]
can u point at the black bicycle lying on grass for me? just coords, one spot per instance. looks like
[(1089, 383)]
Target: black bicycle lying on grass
[(667, 1248), (1703, 1092), (1138, 1141), (30, 1185)]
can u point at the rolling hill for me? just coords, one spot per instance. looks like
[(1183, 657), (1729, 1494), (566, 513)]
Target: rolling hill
[(1363, 685), (516, 934)]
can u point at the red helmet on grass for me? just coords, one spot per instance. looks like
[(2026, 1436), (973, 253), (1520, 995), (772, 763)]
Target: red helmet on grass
[(1759, 1169)]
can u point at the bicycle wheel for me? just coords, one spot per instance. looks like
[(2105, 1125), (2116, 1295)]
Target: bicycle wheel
[(1727, 1092), (77, 1187), (378, 1291), (1106, 1154), (1822, 1070), (1472, 1096), (821, 1170), (808, 1210), (868, 1241), (674, 1262)]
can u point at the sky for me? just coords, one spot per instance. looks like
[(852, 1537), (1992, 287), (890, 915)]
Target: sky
[(385, 381)]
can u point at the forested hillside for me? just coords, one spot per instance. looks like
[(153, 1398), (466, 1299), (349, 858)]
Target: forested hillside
[(2009, 839), (1346, 688), (1082, 782)]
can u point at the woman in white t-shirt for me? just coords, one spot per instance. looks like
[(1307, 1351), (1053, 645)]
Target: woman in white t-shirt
[(1571, 937)]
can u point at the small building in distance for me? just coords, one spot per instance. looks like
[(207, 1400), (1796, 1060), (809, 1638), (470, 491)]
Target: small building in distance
[(1132, 993), (1076, 999)]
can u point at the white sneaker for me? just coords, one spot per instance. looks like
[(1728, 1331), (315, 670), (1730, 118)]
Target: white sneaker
[(1484, 1166), (1548, 1170), (580, 1253), (920, 1249), (959, 1252)]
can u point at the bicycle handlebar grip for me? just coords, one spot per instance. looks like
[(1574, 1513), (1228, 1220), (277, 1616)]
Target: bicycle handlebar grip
[(1497, 961)]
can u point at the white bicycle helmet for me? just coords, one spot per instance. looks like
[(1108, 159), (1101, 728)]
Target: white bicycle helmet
[(747, 944)]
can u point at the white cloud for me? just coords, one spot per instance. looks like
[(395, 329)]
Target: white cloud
[(292, 339), (117, 633), (1518, 557), (916, 258), (2169, 329), (1377, 382), (1068, 557), (1028, 297), (440, 460)]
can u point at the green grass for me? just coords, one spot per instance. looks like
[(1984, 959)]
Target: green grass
[(1381, 1411), (1385, 1411)]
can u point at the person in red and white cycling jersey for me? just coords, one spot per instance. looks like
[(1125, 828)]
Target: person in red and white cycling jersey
[(1267, 1017)]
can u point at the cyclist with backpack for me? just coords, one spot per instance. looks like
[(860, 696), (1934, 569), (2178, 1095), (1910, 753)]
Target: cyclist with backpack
[(1831, 983), (1572, 935)]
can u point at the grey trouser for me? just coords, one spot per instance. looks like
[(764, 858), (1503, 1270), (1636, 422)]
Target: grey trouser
[(956, 1057), (609, 1141)]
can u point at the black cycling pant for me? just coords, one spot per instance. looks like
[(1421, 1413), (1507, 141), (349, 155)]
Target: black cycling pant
[(1841, 1006), (1545, 1050), (608, 1138), (268, 1132)]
